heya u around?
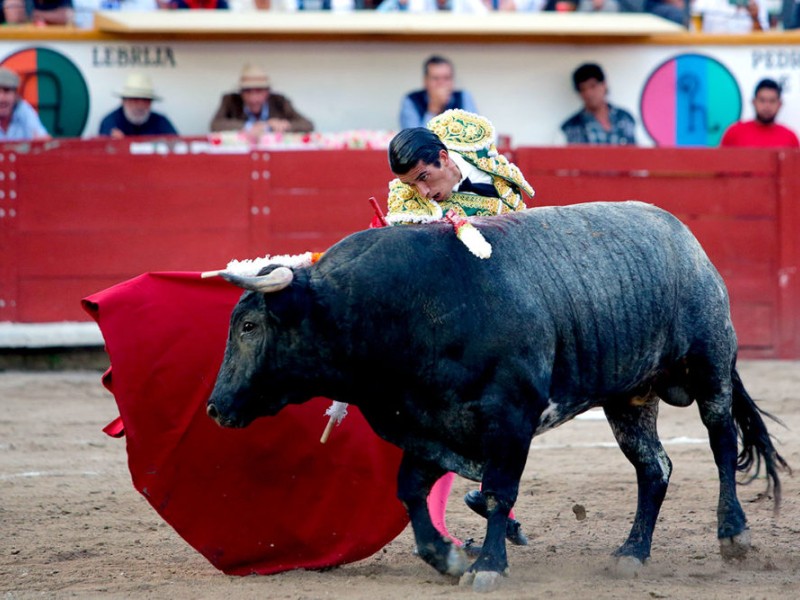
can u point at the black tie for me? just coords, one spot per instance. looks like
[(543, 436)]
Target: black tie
[(486, 190)]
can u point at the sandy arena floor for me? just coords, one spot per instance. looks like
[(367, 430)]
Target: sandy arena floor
[(71, 524)]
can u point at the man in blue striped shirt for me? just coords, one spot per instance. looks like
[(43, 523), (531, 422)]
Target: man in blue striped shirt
[(18, 119), (598, 122)]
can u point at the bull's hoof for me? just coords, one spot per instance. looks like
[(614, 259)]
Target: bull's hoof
[(457, 561), (736, 547), (627, 567), (482, 581)]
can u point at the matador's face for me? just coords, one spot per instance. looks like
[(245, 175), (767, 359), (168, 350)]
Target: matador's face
[(431, 181)]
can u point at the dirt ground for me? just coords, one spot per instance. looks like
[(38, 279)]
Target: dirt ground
[(71, 524)]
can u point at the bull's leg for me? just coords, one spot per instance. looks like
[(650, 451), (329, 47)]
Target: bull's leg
[(506, 445), (514, 534), (714, 402), (414, 482), (634, 427)]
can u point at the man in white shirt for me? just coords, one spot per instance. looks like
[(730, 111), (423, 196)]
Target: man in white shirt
[(732, 16)]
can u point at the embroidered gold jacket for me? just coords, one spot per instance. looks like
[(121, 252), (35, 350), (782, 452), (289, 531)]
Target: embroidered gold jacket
[(473, 137)]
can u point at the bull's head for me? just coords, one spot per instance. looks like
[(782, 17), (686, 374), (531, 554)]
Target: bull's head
[(244, 389)]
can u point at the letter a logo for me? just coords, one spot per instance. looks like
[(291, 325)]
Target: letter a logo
[(55, 87)]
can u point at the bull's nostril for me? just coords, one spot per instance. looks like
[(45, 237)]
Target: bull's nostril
[(212, 411)]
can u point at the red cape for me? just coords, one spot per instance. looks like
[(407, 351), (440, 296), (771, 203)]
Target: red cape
[(264, 499)]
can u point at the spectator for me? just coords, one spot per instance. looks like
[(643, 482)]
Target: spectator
[(598, 122), (310, 5), (18, 119), (574, 5), (135, 116), (439, 95), (502, 5), (15, 12), (790, 15), (415, 6), (193, 4), (672, 10), (455, 6), (52, 12), (763, 131), (598, 6), (732, 16), (85, 9), (255, 110), (515, 5)]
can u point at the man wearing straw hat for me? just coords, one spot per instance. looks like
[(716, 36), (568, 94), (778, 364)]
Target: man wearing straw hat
[(18, 119), (255, 110), (134, 117)]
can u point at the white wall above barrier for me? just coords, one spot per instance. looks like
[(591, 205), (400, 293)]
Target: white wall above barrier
[(680, 95)]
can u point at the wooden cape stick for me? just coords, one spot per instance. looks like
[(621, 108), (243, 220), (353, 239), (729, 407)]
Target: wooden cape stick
[(328, 429)]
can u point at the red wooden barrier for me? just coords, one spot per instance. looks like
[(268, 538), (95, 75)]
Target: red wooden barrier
[(742, 204), (78, 216)]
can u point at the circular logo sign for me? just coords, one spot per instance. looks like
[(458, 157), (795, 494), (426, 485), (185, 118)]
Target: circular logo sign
[(55, 87), (690, 100)]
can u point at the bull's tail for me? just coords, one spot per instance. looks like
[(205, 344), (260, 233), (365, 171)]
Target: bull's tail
[(757, 447)]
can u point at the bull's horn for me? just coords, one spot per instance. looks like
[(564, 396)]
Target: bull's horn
[(271, 282)]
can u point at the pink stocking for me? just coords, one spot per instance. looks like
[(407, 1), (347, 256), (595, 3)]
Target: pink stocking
[(437, 504)]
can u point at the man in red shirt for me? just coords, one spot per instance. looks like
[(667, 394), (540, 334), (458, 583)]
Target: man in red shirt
[(763, 131)]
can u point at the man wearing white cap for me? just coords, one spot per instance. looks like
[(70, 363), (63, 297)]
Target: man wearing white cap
[(134, 117), (256, 110), (18, 119)]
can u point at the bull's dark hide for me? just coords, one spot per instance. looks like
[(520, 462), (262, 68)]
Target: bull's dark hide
[(460, 361)]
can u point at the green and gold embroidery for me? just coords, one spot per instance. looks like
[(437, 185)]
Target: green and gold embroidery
[(473, 137)]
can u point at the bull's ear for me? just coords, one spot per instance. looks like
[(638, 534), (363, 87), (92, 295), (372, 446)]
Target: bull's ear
[(274, 281)]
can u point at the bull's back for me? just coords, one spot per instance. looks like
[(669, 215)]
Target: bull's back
[(605, 291), (628, 286)]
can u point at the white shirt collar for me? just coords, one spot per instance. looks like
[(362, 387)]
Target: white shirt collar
[(468, 170)]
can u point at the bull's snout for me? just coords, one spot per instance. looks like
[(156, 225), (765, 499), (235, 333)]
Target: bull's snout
[(223, 419)]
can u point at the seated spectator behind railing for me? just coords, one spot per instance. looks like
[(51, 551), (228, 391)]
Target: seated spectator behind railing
[(515, 5), (790, 15), (15, 12), (763, 131), (193, 4), (438, 95), (672, 10), (52, 12), (598, 122), (635, 6), (18, 119), (311, 5), (502, 5), (85, 9), (135, 116), (573, 5), (476, 7), (732, 16), (598, 6), (255, 110)]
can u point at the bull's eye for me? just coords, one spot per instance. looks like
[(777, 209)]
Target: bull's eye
[(248, 326)]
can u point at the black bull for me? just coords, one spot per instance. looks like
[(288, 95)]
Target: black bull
[(461, 361)]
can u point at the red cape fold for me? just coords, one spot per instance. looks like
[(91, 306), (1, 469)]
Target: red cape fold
[(263, 499)]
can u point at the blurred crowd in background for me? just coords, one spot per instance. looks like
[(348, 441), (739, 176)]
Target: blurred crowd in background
[(714, 16)]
